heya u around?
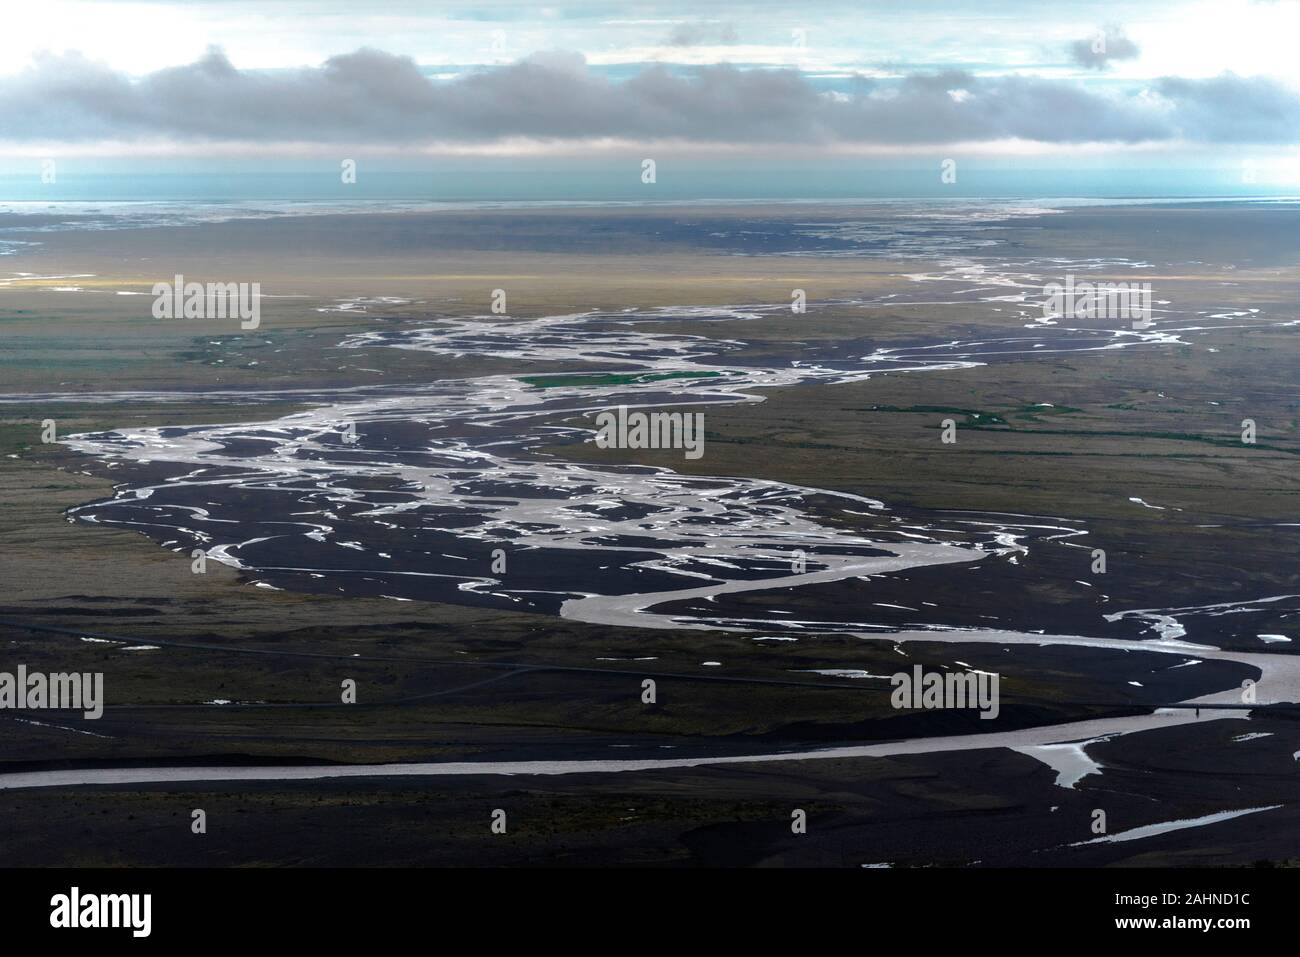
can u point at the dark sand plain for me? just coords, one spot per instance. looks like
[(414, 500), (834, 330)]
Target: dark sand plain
[(1128, 423)]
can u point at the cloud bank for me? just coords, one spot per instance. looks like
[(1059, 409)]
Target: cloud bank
[(372, 98), (1097, 52)]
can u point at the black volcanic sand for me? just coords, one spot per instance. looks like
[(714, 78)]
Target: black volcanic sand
[(985, 808), (557, 691), (1140, 424)]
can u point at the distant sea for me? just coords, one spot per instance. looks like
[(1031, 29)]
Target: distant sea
[(514, 182), (118, 200)]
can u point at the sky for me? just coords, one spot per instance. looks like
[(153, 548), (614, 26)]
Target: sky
[(1200, 89)]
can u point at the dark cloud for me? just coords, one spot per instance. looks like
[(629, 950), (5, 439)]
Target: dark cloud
[(1234, 109), (701, 34), (373, 98), (1097, 51)]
